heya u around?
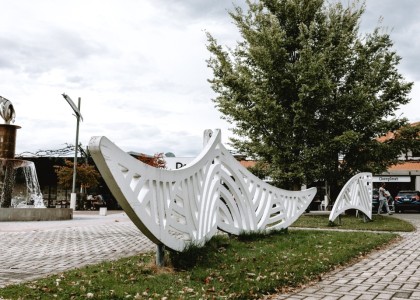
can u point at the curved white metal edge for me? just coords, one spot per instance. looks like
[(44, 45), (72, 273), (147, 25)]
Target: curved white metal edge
[(356, 194), (119, 170), (98, 147), (244, 203), (250, 204)]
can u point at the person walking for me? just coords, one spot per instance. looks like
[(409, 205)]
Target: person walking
[(383, 195)]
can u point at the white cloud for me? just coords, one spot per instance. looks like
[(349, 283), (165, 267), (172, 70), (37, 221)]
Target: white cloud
[(139, 67), (400, 20)]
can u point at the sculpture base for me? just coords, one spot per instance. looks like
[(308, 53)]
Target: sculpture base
[(35, 214)]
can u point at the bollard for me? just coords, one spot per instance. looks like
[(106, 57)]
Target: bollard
[(102, 211)]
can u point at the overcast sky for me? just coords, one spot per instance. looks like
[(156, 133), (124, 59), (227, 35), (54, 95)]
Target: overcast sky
[(140, 68)]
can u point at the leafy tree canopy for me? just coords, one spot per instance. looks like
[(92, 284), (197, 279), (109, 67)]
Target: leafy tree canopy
[(306, 93), (408, 140), (86, 175)]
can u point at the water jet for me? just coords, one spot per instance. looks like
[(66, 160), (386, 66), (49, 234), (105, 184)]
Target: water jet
[(20, 195)]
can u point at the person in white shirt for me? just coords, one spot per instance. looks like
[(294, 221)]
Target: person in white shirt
[(383, 199)]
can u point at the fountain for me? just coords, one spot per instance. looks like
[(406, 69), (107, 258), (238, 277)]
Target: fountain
[(20, 193)]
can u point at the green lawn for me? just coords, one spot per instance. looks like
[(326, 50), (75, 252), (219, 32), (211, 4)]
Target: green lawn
[(227, 268), (378, 223)]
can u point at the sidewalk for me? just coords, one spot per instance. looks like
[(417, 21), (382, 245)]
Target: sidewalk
[(392, 273), (30, 250)]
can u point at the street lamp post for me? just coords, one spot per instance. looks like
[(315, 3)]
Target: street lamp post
[(78, 117)]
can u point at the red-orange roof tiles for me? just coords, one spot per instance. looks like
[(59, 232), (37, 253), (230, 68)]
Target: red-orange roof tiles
[(408, 165), (247, 163), (391, 135)]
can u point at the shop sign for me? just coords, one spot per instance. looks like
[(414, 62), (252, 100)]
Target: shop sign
[(391, 179), (174, 163)]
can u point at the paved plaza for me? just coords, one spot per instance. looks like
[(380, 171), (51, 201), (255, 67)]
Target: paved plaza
[(30, 250)]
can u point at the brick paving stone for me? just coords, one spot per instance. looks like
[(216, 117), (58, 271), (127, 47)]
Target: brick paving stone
[(342, 281), (383, 296), (367, 297), (349, 297), (312, 290), (345, 288), (394, 287), (362, 288), (357, 281), (392, 273), (403, 295), (410, 286), (331, 297), (372, 280)]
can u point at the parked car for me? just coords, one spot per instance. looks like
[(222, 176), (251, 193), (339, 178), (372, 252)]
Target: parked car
[(375, 202), (407, 200)]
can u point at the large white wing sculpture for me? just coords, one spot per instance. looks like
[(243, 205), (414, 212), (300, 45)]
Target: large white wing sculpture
[(186, 206), (356, 194), (173, 208)]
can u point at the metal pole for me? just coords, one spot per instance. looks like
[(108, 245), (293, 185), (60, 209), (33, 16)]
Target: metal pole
[(73, 190), (160, 254)]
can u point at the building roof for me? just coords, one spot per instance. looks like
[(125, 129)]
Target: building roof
[(408, 165), (391, 135), (247, 163)]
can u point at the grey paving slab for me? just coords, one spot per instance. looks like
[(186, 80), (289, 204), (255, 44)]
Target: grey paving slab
[(30, 250), (392, 273)]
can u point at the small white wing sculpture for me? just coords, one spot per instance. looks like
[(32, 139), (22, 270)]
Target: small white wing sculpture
[(356, 194), (184, 206)]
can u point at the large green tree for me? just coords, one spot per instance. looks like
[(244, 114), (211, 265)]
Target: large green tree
[(408, 140), (308, 94)]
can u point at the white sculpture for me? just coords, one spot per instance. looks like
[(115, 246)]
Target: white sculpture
[(7, 112), (184, 206), (171, 207), (250, 204), (356, 194)]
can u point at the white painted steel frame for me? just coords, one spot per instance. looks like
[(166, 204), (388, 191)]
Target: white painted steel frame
[(179, 207), (250, 204), (356, 194), (173, 208)]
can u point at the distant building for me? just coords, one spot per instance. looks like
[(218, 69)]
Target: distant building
[(55, 195), (406, 174)]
